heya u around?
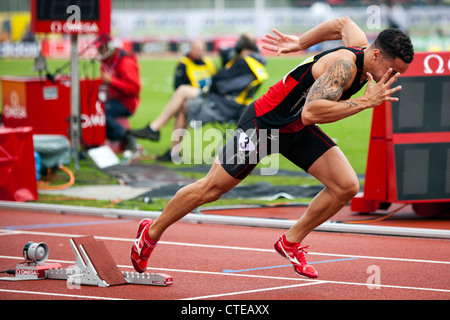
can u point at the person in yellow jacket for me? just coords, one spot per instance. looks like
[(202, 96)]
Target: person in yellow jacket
[(195, 68)]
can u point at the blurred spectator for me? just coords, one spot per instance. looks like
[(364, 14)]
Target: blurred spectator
[(5, 29), (120, 73), (28, 36), (232, 88), (396, 15), (195, 68)]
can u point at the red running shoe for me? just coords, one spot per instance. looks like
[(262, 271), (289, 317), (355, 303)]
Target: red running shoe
[(142, 247), (296, 255)]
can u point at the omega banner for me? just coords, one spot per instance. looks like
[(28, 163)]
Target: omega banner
[(71, 17), (409, 150)]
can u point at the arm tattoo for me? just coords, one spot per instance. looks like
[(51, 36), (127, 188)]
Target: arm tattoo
[(331, 84), (350, 103)]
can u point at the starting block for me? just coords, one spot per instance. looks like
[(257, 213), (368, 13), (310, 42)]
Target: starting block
[(94, 266)]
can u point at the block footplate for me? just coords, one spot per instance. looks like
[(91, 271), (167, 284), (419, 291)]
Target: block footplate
[(74, 276), (154, 279)]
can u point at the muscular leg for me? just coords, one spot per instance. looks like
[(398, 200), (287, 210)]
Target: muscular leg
[(341, 185), (208, 189), (175, 105)]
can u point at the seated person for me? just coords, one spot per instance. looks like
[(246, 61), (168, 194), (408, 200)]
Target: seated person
[(195, 68), (232, 89), (119, 71)]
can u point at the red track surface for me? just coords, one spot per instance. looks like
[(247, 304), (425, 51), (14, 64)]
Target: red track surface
[(196, 255)]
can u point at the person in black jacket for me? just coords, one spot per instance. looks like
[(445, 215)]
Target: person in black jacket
[(231, 90)]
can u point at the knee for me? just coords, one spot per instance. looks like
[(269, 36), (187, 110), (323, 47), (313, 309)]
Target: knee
[(348, 188), (210, 192), (184, 90), (213, 194), (344, 188)]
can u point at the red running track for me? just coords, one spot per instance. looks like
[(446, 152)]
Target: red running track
[(219, 262)]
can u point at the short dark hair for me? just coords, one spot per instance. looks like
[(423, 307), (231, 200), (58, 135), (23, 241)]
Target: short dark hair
[(396, 44), (246, 41)]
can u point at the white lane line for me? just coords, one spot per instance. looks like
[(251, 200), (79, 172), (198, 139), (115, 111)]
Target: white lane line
[(309, 281), (253, 291), (299, 279), (225, 247), (59, 294)]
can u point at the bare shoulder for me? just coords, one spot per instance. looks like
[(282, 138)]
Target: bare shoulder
[(334, 74), (329, 62)]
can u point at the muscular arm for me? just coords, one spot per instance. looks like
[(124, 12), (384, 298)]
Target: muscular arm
[(322, 104), (336, 29)]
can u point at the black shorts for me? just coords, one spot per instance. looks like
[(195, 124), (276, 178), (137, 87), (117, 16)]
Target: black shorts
[(252, 142)]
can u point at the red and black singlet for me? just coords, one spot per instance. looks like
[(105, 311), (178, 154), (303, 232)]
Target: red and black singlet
[(281, 107)]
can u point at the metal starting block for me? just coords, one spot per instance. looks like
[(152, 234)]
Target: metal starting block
[(154, 279), (94, 266)]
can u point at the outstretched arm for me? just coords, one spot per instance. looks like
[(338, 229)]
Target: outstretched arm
[(336, 29)]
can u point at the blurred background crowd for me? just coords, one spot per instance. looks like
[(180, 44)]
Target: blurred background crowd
[(158, 27)]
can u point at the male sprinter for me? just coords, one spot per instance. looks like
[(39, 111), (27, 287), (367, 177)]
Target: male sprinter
[(316, 91)]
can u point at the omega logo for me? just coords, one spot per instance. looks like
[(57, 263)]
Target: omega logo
[(14, 110), (68, 27), (56, 26), (440, 67)]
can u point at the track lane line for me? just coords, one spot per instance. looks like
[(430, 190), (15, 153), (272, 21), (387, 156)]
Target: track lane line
[(61, 225), (253, 291), (67, 235), (261, 276), (298, 279), (59, 294)]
